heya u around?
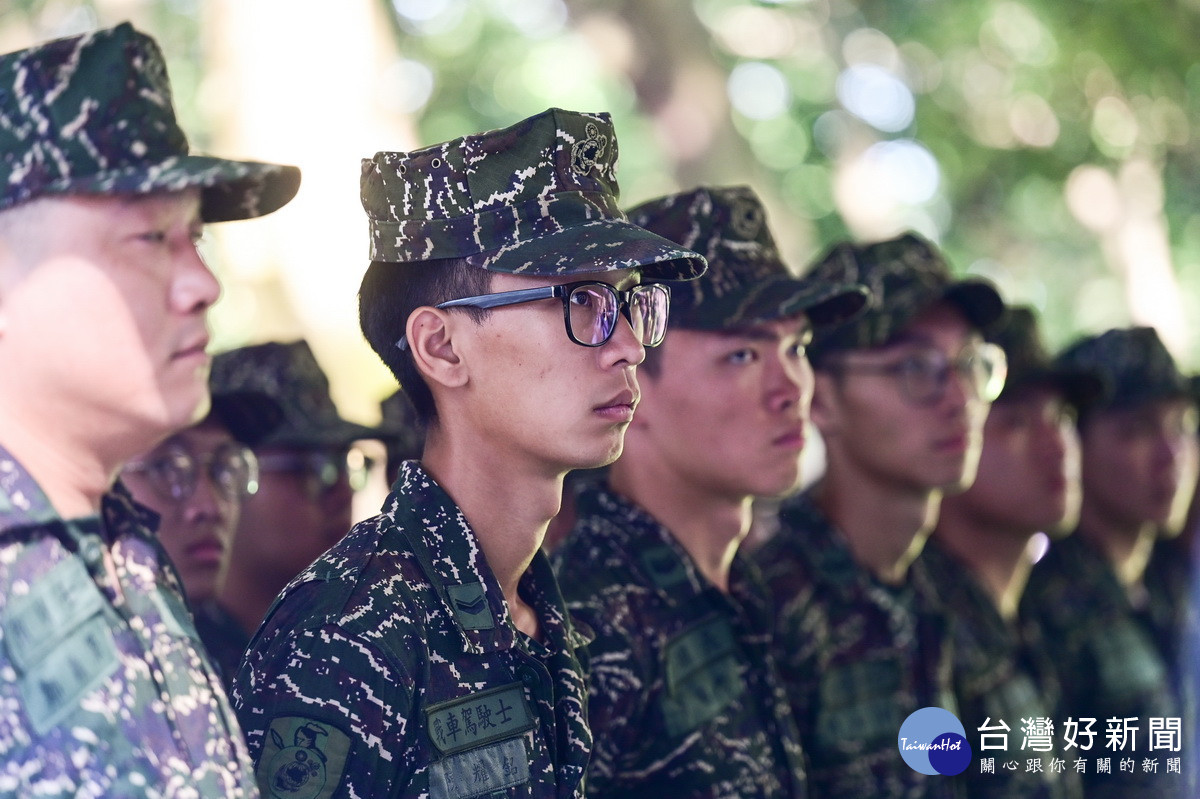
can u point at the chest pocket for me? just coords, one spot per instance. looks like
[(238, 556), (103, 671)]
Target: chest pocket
[(858, 707), (703, 676), (59, 640)]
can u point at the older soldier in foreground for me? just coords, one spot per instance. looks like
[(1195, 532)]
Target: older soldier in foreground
[(429, 653), (1089, 593), (900, 400), (102, 348), (684, 696), (980, 557)]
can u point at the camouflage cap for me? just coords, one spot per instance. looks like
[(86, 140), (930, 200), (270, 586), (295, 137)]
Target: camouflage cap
[(747, 281), (290, 374), (1029, 363), (92, 114), (250, 416), (537, 198), (905, 275), (1134, 363)]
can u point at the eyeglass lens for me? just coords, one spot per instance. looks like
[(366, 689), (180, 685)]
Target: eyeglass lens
[(231, 469), (593, 310)]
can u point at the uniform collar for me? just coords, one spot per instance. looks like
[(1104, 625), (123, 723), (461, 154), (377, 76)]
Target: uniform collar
[(448, 550), (657, 555), (24, 504)]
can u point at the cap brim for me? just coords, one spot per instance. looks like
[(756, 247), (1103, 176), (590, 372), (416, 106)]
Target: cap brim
[(1081, 388), (979, 302), (230, 190), (603, 245), (249, 415), (339, 435), (777, 297)]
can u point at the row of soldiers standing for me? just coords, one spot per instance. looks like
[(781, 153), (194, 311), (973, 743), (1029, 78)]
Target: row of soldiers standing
[(438, 650)]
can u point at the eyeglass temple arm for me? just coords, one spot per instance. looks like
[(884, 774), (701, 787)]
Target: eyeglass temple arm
[(497, 300)]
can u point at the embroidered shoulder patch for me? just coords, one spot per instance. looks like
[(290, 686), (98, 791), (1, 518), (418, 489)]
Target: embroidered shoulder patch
[(471, 606), (301, 759)]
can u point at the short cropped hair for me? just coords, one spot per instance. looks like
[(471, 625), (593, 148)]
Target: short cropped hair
[(390, 292)]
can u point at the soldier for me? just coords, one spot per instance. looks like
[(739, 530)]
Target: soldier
[(980, 556), (196, 482), (1088, 593), (102, 346), (900, 398), (308, 473), (430, 649), (684, 698)]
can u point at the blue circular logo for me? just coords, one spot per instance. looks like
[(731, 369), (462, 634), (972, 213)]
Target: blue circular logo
[(933, 741)]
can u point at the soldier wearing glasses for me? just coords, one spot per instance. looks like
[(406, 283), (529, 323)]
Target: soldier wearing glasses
[(103, 338), (308, 473), (900, 400), (430, 652), (684, 698), (196, 481)]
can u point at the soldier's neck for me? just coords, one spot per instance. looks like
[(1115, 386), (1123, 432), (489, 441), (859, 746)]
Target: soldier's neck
[(73, 477), (998, 559), (1127, 547), (507, 501), (885, 525), (710, 526)]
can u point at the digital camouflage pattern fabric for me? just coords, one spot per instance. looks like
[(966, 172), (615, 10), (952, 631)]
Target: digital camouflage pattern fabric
[(1002, 679), (290, 375), (1134, 364), (537, 198), (1107, 662), (747, 282), (106, 689), (856, 658), (391, 667), (905, 276), (92, 114), (684, 700)]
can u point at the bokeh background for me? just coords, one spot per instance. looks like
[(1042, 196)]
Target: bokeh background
[(1050, 145)]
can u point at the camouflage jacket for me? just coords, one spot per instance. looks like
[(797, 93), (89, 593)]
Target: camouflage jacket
[(106, 690), (391, 667), (1002, 679), (856, 657), (1108, 664), (684, 700)]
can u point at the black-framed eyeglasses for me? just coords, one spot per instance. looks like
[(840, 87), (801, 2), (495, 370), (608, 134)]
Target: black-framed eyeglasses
[(590, 309), (175, 472), (321, 470), (924, 375)]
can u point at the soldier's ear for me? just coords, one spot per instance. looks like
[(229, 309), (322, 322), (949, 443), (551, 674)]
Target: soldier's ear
[(826, 410), (431, 337)]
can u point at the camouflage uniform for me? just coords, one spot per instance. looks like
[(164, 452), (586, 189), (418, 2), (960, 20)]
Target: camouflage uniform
[(1109, 654), (856, 657), (684, 700), (1001, 674), (391, 667), (106, 689), (1106, 660)]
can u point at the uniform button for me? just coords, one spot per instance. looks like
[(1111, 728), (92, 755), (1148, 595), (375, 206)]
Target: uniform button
[(90, 550), (528, 676)]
